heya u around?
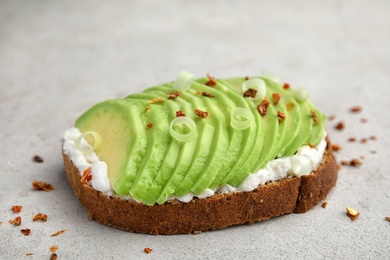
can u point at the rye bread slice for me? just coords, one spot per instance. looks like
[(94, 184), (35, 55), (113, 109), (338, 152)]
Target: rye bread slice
[(297, 194)]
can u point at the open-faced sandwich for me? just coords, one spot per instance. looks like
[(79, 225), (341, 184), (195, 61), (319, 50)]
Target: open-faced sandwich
[(200, 154)]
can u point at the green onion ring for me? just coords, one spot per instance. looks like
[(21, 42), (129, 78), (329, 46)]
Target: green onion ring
[(256, 84), (243, 113), (183, 121), (88, 149), (184, 80), (301, 94)]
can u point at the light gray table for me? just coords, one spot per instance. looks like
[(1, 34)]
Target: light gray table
[(57, 58)]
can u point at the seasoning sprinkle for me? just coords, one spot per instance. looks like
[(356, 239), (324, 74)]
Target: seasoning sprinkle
[(40, 185), (355, 162), (149, 125), (59, 233), (173, 95), (336, 147), (286, 86), (16, 221), (352, 213), (262, 108), (26, 231), (53, 256), (211, 82), (37, 159), (201, 113), (87, 177), (339, 126), (156, 100), (16, 209), (53, 249), (281, 115), (180, 113), (148, 250), (40, 217), (250, 92), (315, 118), (355, 109), (276, 98), (289, 106), (207, 94), (324, 204)]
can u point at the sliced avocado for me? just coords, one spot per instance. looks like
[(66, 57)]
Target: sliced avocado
[(123, 139), (317, 132)]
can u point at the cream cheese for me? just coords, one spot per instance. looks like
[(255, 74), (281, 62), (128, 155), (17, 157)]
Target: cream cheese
[(305, 161)]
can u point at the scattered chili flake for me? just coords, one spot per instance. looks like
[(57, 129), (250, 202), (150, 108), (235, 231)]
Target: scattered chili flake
[(344, 163), (363, 140), (1, 222), (352, 139), (373, 137), (87, 176), (53, 249), (311, 145), (211, 81), (147, 108), (324, 204), (289, 106), (40, 185), (331, 117), (262, 108), (207, 94), (363, 120), (355, 162), (180, 113), (250, 92), (336, 147), (276, 98), (29, 254), (355, 109), (16, 221), (281, 115), (59, 233), (150, 125), (352, 213), (173, 95), (198, 93), (340, 126), (148, 250), (156, 100), (286, 86), (26, 231), (387, 218), (338, 167), (37, 159), (373, 151), (41, 217), (201, 113), (17, 209), (246, 78), (315, 118), (53, 256)]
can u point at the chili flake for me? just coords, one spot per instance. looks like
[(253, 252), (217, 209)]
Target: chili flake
[(16, 209), (53, 249), (363, 140), (344, 163), (387, 218), (356, 109), (289, 106), (53, 256), (336, 147), (156, 100), (148, 250), (340, 126), (373, 137), (180, 113), (29, 254), (315, 118), (352, 213), (311, 145), (59, 233), (41, 217), (147, 108), (87, 176), (324, 204), (17, 221), (373, 151), (207, 94), (246, 78), (286, 86), (26, 231), (276, 98), (40, 185), (173, 95), (211, 82), (37, 159), (281, 115), (331, 117), (250, 92), (262, 108), (201, 113), (355, 162), (352, 139), (150, 125)]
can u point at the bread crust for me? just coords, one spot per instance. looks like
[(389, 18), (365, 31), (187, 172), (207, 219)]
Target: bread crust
[(297, 194)]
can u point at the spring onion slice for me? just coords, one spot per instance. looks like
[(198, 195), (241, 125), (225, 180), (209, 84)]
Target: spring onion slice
[(256, 84), (184, 80), (84, 143), (241, 118), (301, 94), (179, 121), (270, 76)]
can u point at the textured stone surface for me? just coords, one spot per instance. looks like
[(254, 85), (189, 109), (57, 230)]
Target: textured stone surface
[(57, 58)]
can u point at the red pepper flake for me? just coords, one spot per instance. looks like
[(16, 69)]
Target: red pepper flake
[(355, 109), (16, 209), (355, 162), (198, 93), (373, 151), (53, 249), (281, 115), (180, 113), (331, 117), (1, 222), (156, 100), (201, 113), (211, 81), (315, 118), (149, 125), (363, 140), (37, 159), (340, 126), (338, 167), (311, 145), (250, 92), (276, 98), (344, 163), (286, 86), (289, 106), (53, 256), (173, 95), (352, 213), (352, 139), (262, 108), (59, 233), (148, 250), (29, 254), (40, 185), (387, 218), (17, 221), (324, 204), (336, 147), (207, 94), (246, 78), (41, 217), (147, 108), (87, 176), (373, 137), (26, 231)]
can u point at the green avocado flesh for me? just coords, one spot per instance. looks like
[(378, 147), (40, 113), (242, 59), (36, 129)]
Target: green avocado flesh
[(146, 162)]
